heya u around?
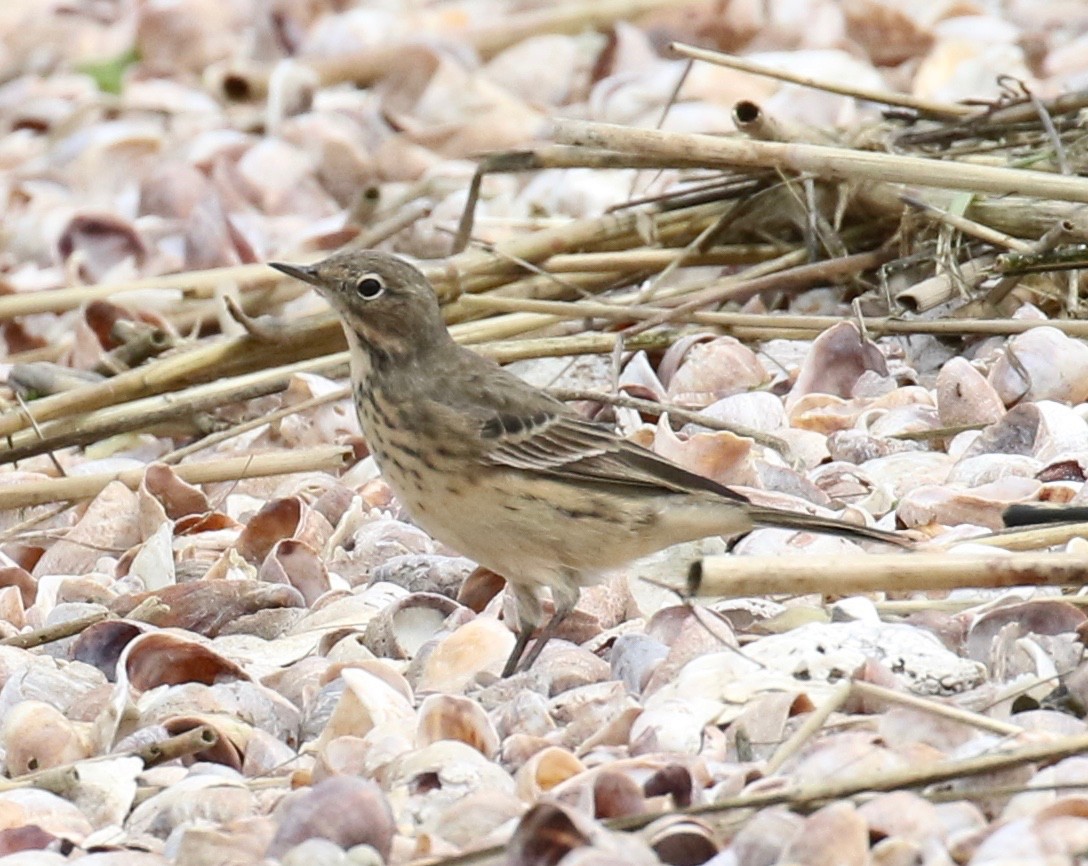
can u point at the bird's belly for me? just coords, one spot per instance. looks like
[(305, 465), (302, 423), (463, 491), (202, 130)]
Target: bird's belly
[(531, 531)]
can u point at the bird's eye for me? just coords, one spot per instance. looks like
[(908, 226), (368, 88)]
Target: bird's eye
[(370, 288)]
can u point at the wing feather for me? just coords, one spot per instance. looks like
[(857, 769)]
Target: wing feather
[(565, 446)]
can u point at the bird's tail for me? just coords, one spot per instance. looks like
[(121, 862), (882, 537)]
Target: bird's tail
[(828, 525), (1032, 514)]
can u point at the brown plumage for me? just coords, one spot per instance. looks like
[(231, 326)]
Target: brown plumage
[(502, 472)]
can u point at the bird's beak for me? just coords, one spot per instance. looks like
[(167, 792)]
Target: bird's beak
[(306, 273)]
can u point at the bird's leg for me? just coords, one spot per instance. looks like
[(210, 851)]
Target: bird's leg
[(525, 632), (565, 597), (529, 616)]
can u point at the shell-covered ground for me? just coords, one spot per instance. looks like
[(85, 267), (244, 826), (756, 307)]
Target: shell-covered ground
[(223, 640)]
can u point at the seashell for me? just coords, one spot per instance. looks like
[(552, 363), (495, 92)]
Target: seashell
[(586, 711), (562, 667), (162, 658), (900, 473), (440, 92), (965, 397), (231, 741), (345, 810), (178, 498), (198, 797), (758, 410), (339, 147), (715, 369), (859, 446), (822, 413), (277, 520), (1044, 617), (675, 354), (51, 814), (19, 578), (348, 756), (106, 789), (267, 755), (375, 542), (616, 795), (766, 836), (821, 651), (1043, 430), (472, 819), (37, 736), (904, 419), (688, 632), (547, 833), (846, 484), (517, 749), (638, 378), (401, 628), (481, 644), (480, 587), (427, 573), (297, 564), (985, 468), (244, 840), (525, 713), (561, 62), (399, 159), (279, 179), (101, 644), (110, 521), (206, 606), (978, 506), (1048, 366), (890, 35), (98, 245), (367, 702), (544, 770), (680, 841), (72, 688), (955, 69), (634, 658), (439, 775), (449, 717), (834, 363), (837, 832), (719, 455)]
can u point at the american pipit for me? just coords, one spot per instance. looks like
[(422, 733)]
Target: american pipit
[(501, 471)]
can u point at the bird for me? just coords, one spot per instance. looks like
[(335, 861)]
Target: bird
[(501, 471)]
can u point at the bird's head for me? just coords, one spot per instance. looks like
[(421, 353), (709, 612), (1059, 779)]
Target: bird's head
[(385, 302)]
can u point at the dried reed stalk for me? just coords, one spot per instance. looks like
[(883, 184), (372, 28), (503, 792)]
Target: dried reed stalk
[(756, 325), (148, 412), (829, 163), (31, 493), (924, 107), (741, 576)]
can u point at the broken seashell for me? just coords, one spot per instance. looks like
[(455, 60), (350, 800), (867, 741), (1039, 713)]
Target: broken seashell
[(401, 628), (713, 370), (449, 717), (681, 841), (37, 736), (1041, 364), (163, 658), (965, 397), (544, 770), (834, 363), (346, 810), (978, 506), (481, 644)]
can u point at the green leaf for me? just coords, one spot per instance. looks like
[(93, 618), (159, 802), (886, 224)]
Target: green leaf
[(107, 74)]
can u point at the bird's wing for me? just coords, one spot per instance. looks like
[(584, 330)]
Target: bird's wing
[(554, 443)]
